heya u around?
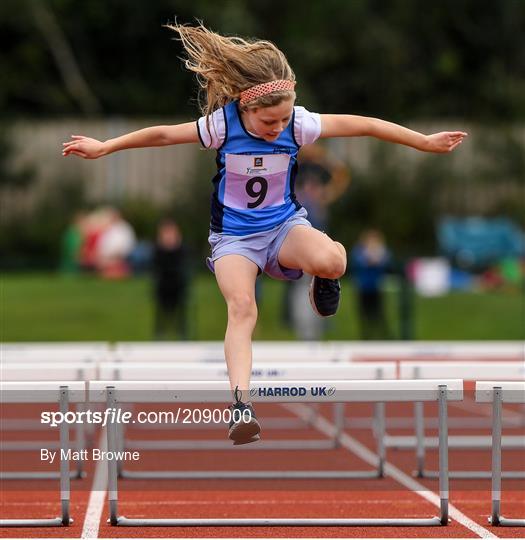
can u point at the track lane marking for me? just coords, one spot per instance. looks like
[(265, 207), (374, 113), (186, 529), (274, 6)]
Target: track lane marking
[(97, 495)]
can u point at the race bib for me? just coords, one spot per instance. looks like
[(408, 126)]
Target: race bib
[(254, 182)]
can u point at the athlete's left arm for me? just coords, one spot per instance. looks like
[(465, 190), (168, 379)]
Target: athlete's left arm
[(346, 125)]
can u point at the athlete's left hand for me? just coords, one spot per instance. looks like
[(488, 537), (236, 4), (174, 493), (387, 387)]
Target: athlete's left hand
[(445, 141)]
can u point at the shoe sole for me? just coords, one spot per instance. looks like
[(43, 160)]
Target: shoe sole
[(253, 439), (244, 432), (312, 302)]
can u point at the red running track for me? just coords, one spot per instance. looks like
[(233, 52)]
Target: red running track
[(280, 498)]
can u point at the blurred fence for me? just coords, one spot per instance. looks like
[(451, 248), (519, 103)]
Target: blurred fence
[(156, 174), (165, 174)]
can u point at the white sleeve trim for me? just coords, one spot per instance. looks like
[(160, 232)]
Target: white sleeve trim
[(307, 126), (213, 134)]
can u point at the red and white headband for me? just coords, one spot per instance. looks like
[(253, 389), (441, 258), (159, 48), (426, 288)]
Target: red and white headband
[(259, 90)]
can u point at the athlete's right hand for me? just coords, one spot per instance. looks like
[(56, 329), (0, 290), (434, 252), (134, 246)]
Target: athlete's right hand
[(84, 147)]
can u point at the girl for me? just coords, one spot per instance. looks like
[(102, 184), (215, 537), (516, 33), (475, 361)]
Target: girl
[(257, 225)]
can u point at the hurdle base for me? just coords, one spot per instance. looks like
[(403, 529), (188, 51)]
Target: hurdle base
[(51, 522), (280, 522), (212, 444), (233, 475), (36, 475), (469, 475), (504, 522), (458, 442)]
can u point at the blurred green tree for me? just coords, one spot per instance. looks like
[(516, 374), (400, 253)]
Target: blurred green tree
[(397, 59)]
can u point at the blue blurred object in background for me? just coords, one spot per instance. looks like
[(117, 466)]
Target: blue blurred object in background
[(476, 243), (141, 257), (461, 280)]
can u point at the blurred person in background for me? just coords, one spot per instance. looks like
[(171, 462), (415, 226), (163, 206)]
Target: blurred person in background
[(370, 261), (71, 244), (508, 275), (94, 225), (170, 269), (115, 244), (257, 224), (321, 179)]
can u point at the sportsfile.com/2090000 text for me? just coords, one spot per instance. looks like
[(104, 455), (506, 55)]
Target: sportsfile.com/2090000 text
[(114, 415)]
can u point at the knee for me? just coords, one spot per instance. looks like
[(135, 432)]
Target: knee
[(242, 308), (332, 262)]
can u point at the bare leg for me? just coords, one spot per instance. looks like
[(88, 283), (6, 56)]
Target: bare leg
[(236, 277), (314, 252)]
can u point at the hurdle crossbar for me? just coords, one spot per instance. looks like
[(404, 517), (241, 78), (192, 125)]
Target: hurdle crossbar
[(499, 393), (323, 351), (460, 351), (372, 391), (63, 393), (213, 351), (52, 352)]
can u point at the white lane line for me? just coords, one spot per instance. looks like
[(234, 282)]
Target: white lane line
[(97, 495), (370, 457)]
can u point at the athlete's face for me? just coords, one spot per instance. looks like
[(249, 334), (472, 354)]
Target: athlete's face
[(269, 122)]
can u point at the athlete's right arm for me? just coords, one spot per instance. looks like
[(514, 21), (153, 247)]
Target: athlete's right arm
[(89, 148)]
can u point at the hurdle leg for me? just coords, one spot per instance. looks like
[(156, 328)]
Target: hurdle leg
[(379, 414), (420, 438), (339, 422), (112, 436), (496, 518), (443, 454), (80, 443), (120, 439), (496, 457), (64, 462)]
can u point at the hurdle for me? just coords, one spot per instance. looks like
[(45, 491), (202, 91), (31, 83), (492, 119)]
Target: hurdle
[(115, 392), (45, 353), (18, 354), (53, 352), (266, 371), (161, 370), (213, 351), (459, 351), (14, 371), (498, 393), (62, 393), (465, 370), (323, 351), (329, 351), (430, 351)]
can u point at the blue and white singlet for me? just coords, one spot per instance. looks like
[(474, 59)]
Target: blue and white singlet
[(254, 184)]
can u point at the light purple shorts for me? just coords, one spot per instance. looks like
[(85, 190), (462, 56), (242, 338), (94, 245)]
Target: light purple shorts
[(261, 248)]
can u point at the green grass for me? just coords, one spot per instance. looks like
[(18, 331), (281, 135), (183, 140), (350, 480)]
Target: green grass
[(52, 308)]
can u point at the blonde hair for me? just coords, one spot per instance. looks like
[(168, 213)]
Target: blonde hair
[(225, 66)]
